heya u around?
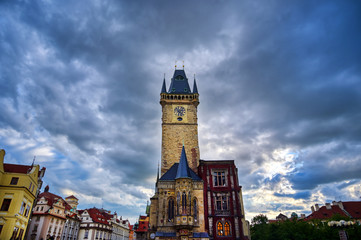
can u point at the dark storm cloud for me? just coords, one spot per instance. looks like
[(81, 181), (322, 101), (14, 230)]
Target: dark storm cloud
[(271, 76), (299, 195)]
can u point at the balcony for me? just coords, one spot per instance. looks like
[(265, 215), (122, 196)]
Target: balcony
[(184, 221)]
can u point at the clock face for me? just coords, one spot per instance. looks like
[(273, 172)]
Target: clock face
[(179, 111)]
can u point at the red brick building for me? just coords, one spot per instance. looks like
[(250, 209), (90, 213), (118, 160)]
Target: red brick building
[(223, 209)]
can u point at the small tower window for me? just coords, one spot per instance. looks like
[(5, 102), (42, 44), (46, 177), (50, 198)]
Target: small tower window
[(184, 203), (186, 90), (179, 78), (170, 210), (195, 210)]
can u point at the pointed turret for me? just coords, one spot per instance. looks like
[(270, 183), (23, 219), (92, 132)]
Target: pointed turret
[(164, 89), (195, 89), (183, 170)]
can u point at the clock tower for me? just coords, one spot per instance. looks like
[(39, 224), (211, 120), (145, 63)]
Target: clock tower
[(179, 121)]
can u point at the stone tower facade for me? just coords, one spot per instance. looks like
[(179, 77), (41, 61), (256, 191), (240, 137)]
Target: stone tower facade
[(179, 122), (194, 199), (177, 207)]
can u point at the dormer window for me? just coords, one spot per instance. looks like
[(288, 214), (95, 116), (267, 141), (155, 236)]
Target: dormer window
[(179, 78)]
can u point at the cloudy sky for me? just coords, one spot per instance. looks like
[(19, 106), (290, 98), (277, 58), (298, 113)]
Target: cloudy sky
[(279, 84)]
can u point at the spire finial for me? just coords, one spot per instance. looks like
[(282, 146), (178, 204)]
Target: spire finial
[(175, 64), (183, 65)]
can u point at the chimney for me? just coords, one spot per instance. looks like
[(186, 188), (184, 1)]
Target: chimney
[(328, 205), (340, 205), (303, 215), (312, 209), (334, 203), (317, 207)]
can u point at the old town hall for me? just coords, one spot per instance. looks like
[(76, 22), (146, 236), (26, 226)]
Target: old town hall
[(194, 199)]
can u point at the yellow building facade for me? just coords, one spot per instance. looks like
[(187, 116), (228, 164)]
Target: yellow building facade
[(19, 186)]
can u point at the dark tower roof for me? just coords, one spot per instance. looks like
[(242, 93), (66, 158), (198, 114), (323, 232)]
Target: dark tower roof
[(179, 83), (195, 89), (183, 168), (164, 89)]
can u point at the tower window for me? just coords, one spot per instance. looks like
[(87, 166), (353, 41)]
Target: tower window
[(195, 210), (170, 210), (184, 203)]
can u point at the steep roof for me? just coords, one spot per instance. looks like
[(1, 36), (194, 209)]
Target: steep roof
[(353, 208), (52, 198), (170, 175), (324, 213), (71, 197), (164, 89), (195, 89), (179, 83), (183, 170), (97, 216)]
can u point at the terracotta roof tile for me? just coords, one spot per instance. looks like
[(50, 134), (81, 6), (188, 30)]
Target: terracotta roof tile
[(353, 208), (97, 216), (324, 213), (15, 168), (72, 196), (51, 198)]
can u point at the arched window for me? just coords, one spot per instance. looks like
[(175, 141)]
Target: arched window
[(227, 229), (170, 210), (184, 203), (195, 210), (219, 229), (178, 203)]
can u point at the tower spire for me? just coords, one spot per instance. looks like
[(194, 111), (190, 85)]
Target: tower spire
[(164, 89), (183, 168), (195, 89)]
